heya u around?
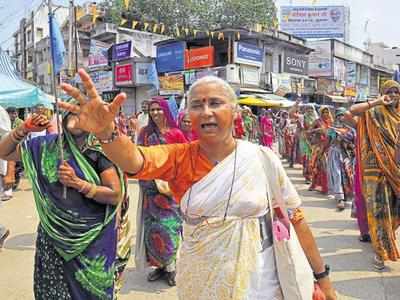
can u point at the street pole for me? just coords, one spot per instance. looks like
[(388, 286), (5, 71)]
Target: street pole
[(57, 111), (71, 20), (76, 40)]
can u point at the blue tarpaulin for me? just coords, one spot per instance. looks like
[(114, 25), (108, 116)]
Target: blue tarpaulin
[(16, 92)]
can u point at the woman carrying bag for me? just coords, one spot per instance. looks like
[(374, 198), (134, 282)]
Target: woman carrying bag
[(224, 253)]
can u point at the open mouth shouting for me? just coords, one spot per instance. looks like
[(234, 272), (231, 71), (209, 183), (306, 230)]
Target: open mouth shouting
[(209, 126)]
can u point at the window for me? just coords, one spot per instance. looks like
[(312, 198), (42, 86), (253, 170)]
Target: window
[(41, 79), (28, 35), (30, 59), (39, 33), (40, 57)]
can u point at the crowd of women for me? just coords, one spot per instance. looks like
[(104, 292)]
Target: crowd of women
[(203, 192), (351, 155)]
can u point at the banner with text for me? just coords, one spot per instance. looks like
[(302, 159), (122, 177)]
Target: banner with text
[(248, 54), (171, 57)]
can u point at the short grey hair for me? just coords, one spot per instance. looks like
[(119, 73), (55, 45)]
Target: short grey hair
[(210, 79)]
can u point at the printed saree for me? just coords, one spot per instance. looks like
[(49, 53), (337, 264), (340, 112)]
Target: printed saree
[(381, 177), (222, 258), (76, 244), (159, 223)]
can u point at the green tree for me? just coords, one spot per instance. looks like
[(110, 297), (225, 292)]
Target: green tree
[(200, 14)]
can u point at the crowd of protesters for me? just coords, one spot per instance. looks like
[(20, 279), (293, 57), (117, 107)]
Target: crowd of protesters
[(345, 154)]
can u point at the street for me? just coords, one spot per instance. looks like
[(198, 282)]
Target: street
[(336, 232)]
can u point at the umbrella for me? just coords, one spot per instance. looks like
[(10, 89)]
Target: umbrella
[(20, 94)]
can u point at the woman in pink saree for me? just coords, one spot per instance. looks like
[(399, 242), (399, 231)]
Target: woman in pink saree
[(267, 129)]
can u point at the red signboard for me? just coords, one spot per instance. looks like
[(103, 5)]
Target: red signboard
[(199, 58), (123, 74)]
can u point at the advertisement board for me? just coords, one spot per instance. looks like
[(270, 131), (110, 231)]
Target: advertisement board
[(102, 80), (314, 21), (295, 63), (248, 54), (320, 60), (199, 58), (122, 51), (123, 75), (171, 57), (250, 75), (145, 74), (339, 67), (281, 84), (171, 84), (98, 57)]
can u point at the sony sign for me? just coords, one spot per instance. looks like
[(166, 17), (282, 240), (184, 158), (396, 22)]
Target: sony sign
[(295, 63)]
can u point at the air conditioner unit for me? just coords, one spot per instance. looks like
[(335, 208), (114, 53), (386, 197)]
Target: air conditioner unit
[(232, 74)]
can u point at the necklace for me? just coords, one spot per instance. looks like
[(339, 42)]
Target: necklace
[(230, 190)]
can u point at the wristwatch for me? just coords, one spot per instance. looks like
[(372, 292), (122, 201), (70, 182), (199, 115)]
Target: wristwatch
[(323, 274)]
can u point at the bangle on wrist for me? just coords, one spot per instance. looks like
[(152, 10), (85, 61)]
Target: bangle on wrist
[(92, 192), (114, 135), (83, 187)]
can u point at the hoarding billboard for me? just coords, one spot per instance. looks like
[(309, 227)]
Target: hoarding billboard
[(171, 57), (98, 56), (248, 54), (320, 60), (122, 50), (199, 58), (314, 21), (295, 63)]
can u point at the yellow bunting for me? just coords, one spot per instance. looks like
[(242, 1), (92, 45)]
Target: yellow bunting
[(123, 21), (178, 33), (195, 32), (162, 28), (208, 33), (146, 25), (258, 28), (186, 31), (134, 24), (238, 35), (155, 27), (221, 36), (212, 34)]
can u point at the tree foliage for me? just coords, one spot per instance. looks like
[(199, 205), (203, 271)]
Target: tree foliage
[(199, 14)]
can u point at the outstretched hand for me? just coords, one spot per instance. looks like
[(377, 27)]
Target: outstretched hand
[(94, 115)]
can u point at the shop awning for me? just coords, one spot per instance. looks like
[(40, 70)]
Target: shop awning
[(265, 100), (16, 92), (338, 99)]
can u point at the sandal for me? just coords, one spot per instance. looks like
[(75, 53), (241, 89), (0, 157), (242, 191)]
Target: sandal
[(379, 264), (170, 277), (341, 205), (156, 274), (365, 238)]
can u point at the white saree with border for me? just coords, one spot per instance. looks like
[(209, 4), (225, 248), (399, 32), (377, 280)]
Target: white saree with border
[(224, 260)]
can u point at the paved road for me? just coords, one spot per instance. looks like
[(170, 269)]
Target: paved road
[(336, 233)]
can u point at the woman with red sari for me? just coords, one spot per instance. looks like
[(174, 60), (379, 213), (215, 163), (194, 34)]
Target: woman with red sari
[(267, 129), (185, 125), (320, 150), (159, 224)]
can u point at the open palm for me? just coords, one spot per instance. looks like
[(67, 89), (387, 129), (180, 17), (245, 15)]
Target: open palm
[(94, 115)]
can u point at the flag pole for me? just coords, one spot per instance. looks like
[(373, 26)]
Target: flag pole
[(57, 110)]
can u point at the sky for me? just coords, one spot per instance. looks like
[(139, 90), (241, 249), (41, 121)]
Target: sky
[(12, 11), (382, 16)]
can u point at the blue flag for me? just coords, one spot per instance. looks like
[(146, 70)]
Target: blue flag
[(56, 44), (153, 76), (173, 107)]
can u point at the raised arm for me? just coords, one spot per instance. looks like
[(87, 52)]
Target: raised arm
[(97, 117), (9, 145), (358, 109)]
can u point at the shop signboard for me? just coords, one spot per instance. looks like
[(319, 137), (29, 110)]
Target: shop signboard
[(171, 57), (102, 80), (295, 63), (314, 21), (98, 54), (351, 74), (122, 51), (320, 60), (199, 58), (248, 54), (145, 74), (250, 75), (123, 74), (108, 96), (171, 84)]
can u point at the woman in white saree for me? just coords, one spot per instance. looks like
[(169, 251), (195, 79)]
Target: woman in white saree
[(222, 186)]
